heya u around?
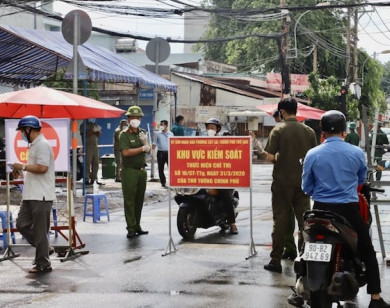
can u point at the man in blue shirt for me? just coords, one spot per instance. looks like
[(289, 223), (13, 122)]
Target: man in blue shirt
[(331, 174), (162, 138)]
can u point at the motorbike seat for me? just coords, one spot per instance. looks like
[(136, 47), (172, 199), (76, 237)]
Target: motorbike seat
[(326, 215)]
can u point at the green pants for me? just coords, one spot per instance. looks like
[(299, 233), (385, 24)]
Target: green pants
[(133, 188), (378, 175), (289, 245), (286, 199)]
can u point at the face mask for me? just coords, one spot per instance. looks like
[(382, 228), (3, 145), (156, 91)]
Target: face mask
[(211, 132), (162, 127), (92, 120), (24, 137), (124, 127), (135, 123)]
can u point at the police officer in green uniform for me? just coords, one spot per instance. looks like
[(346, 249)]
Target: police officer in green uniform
[(133, 146), (352, 137), (289, 142), (381, 139)]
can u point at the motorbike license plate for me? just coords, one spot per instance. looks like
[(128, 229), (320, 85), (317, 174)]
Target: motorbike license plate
[(317, 252)]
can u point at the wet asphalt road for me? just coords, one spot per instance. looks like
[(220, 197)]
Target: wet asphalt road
[(211, 271)]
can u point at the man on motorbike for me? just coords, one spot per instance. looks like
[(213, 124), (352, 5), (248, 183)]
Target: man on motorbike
[(213, 127), (331, 173)]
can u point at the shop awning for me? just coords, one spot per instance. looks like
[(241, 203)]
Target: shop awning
[(28, 56)]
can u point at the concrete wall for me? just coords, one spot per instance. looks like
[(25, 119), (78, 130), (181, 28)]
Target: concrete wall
[(188, 93), (226, 98)]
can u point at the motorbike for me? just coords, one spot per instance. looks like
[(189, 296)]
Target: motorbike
[(329, 267), (201, 208)]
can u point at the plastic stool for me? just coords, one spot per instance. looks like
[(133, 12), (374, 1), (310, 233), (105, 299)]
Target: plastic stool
[(3, 236), (96, 213)]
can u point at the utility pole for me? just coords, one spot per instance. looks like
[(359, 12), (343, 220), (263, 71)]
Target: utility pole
[(348, 51), (315, 58), (355, 45), (285, 69)]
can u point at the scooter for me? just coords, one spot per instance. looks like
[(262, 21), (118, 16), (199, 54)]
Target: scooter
[(201, 208), (329, 267)]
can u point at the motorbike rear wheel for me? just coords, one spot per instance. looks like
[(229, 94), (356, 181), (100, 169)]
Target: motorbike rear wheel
[(320, 299), (186, 223)]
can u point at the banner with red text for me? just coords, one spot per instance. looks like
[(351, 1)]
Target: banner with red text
[(210, 162)]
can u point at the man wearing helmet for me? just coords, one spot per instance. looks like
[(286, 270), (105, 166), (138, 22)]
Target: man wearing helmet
[(352, 137), (213, 127), (331, 173), (286, 147), (133, 144), (33, 220)]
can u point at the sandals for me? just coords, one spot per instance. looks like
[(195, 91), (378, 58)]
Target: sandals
[(233, 229), (39, 270)]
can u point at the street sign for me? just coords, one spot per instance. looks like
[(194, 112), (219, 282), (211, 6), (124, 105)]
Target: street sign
[(158, 50), (56, 131), (210, 162), (68, 26)]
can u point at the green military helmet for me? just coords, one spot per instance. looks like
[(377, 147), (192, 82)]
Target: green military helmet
[(134, 111), (352, 125)]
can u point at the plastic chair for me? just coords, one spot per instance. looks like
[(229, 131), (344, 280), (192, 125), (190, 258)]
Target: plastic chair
[(3, 235), (96, 211)]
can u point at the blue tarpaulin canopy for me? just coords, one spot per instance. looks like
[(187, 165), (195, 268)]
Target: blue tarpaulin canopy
[(28, 56)]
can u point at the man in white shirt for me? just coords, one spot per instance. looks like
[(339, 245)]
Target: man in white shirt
[(162, 138), (33, 220)]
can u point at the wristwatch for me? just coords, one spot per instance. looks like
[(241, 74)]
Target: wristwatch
[(24, 167)]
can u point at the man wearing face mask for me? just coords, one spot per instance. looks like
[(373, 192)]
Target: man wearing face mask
[(213, 127), (133, 144), (38, 192), (286, 148), (161, 140), (93, 132), (117, 152)]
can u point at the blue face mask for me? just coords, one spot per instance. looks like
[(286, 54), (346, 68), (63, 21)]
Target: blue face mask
[(24, 137), (92, 120)]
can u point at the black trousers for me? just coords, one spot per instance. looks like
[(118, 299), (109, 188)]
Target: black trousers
[(225, 195), (367, 253), (162, 159)]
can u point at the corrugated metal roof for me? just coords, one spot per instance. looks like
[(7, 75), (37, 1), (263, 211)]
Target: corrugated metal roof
[(27, 56)]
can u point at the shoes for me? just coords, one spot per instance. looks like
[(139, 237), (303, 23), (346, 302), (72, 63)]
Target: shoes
[(118, 180), (289, 255), (378, 303), (100, 183), (277, 268), (233, 229), (39, 270), (131, 234), (88, 183), (142, 232), (295, 300)]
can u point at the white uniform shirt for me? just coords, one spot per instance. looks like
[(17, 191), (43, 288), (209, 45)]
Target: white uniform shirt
[(40, 186)]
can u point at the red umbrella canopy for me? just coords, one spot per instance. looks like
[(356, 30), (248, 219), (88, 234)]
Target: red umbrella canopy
[(304, 112), (44, 102)]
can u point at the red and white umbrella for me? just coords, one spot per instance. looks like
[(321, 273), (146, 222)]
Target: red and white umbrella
[(304, 112), (45, 103)]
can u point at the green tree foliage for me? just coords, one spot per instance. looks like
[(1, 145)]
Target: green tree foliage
[(385, 82), (262, 54), (323, 94), (59, 82), (372, 94)]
